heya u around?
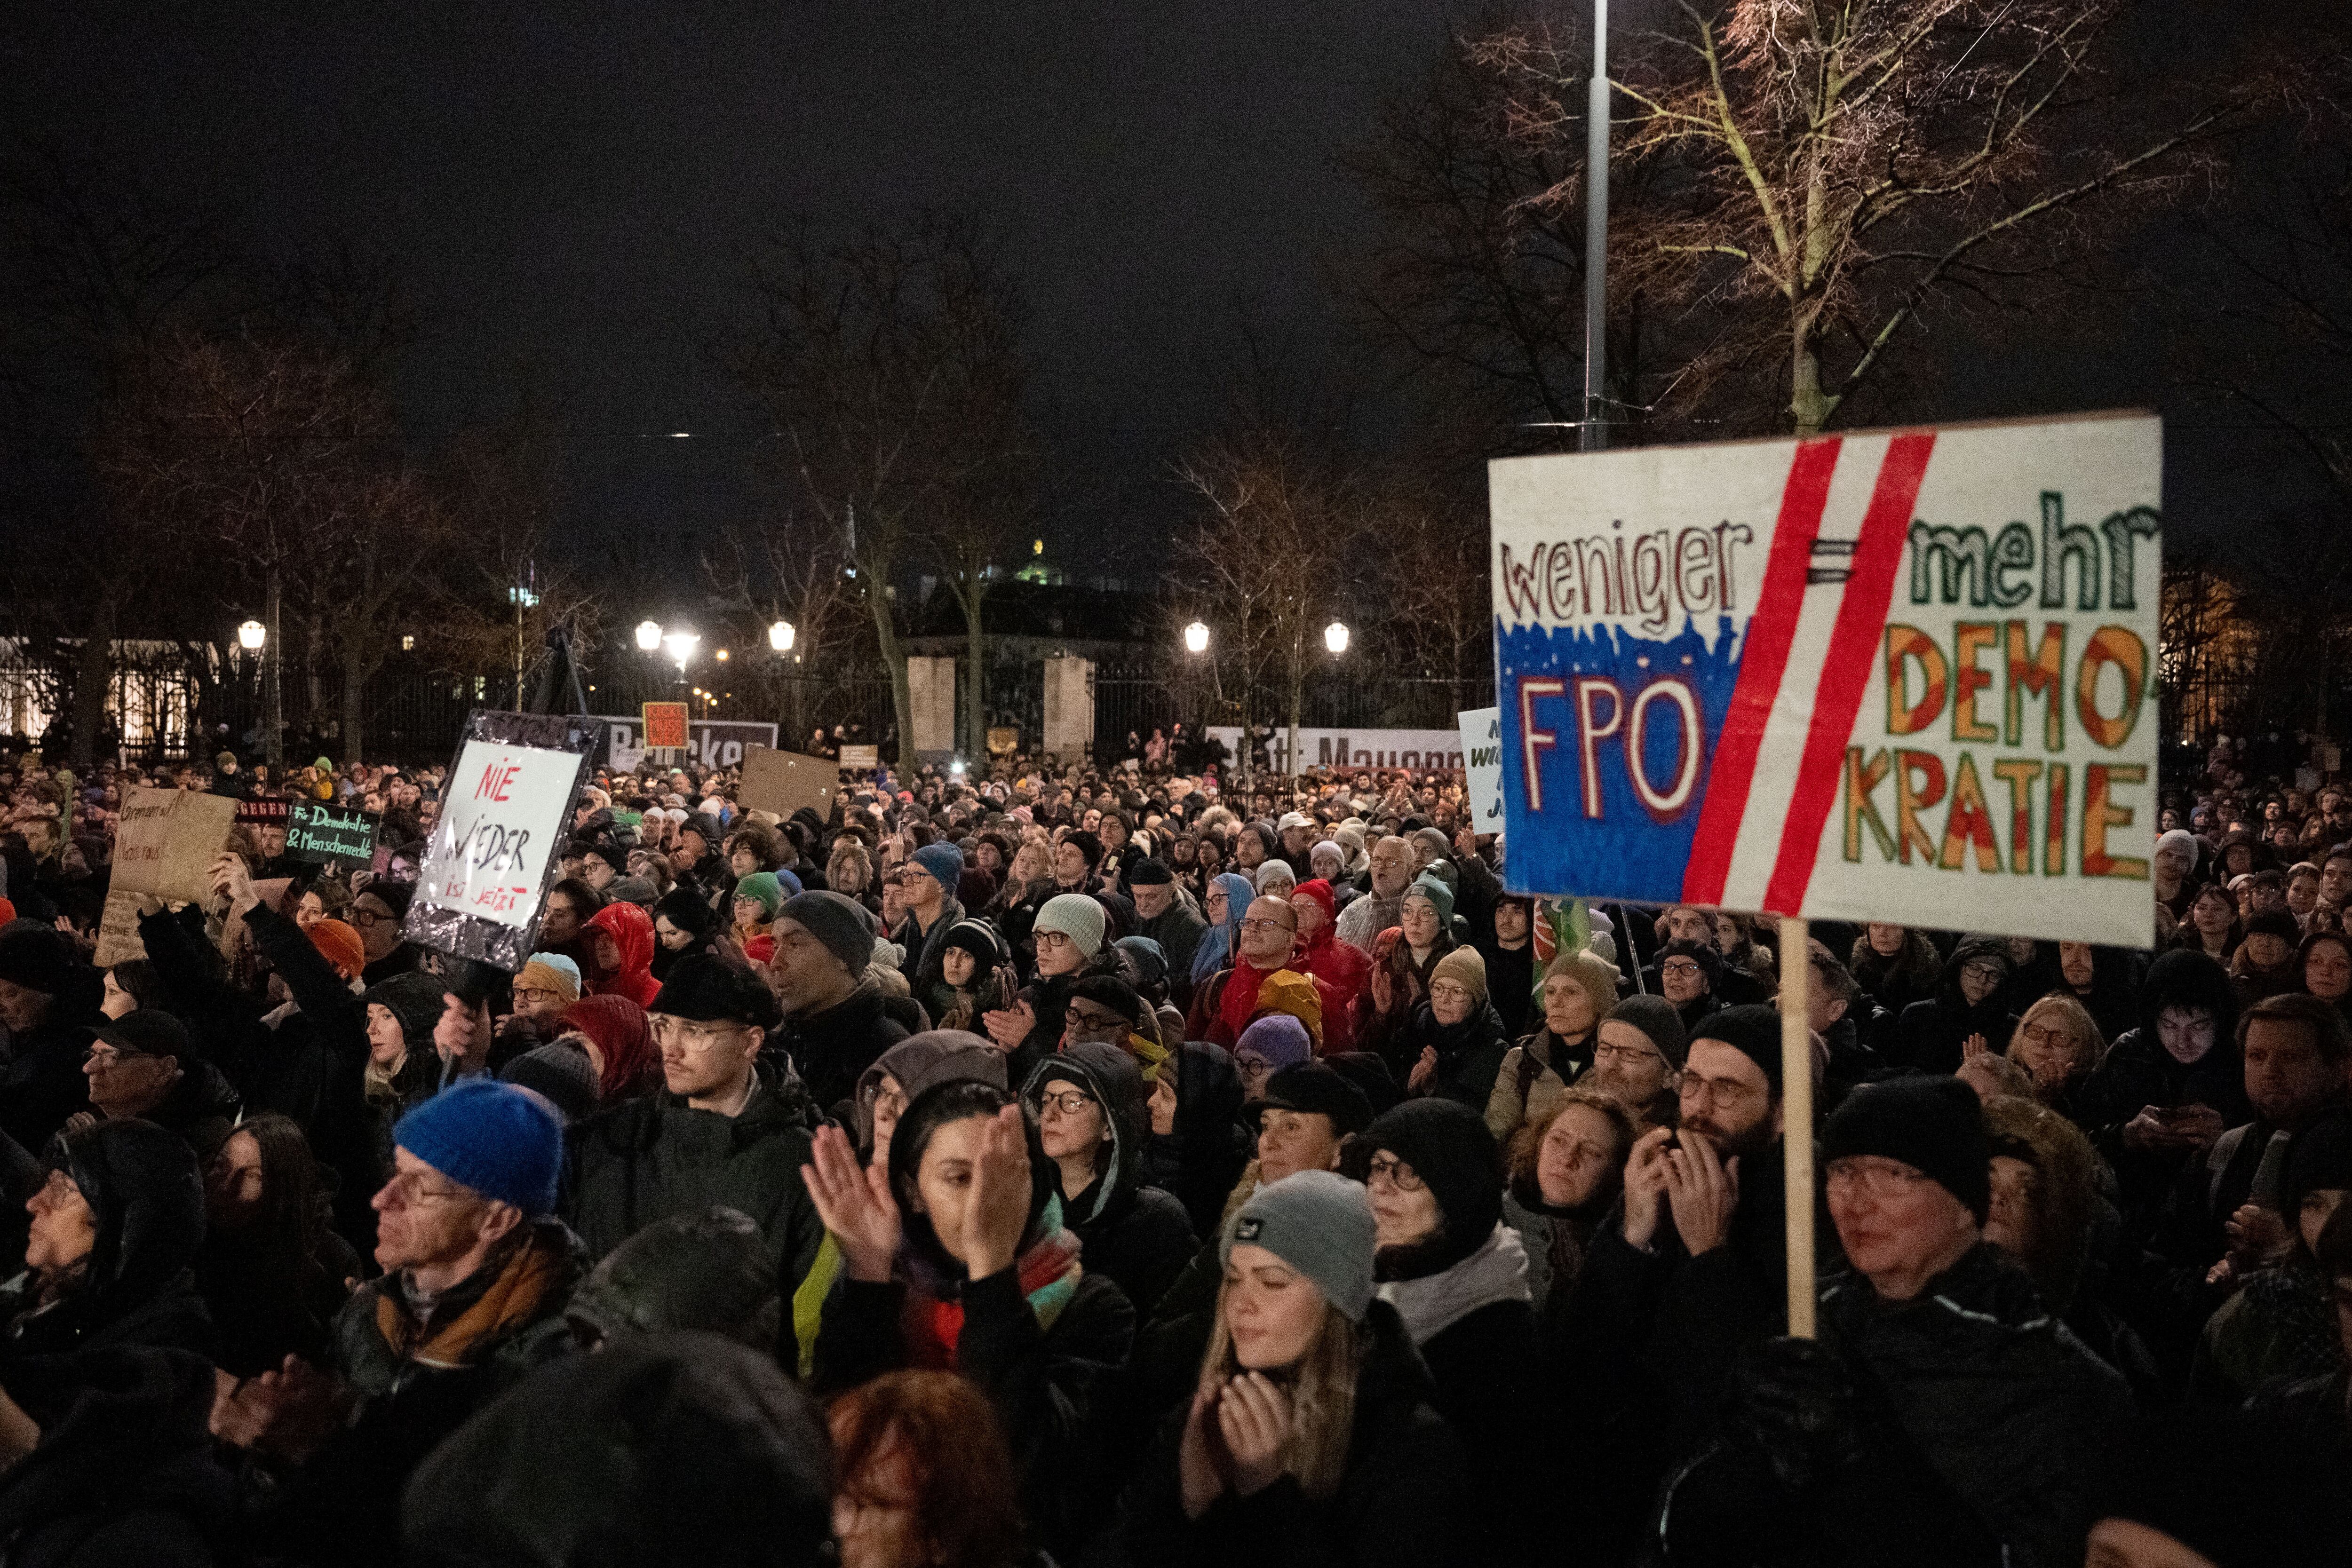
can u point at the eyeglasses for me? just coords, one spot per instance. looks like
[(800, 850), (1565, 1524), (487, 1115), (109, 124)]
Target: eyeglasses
[(108, 1056), (1267, 926), (531, 995), (409, 1189), (1625, 1054), (1683, 967), (1095, 1018), (1069, 1102), (698, 1034), (1056, 939), (1395, 1172), (1880, 1180), (364, 918), (1725, 1091), (1452, 991), (2040, 1034)]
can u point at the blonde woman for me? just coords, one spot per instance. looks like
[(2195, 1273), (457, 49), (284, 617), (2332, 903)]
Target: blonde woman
[(2058, 1045), (1311, 1429)]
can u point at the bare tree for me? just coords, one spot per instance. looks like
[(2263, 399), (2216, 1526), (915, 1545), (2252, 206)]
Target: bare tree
[(886, 364), (1276, 518), (1431, 576), (792, 571), (1797, 186)]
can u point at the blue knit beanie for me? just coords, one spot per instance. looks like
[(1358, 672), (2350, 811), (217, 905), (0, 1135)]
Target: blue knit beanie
[(500, 1140), (944, 861)]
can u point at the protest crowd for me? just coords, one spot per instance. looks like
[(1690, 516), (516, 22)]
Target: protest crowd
[(1108, 1167)]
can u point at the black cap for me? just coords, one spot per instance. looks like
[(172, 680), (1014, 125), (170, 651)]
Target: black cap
[(2278, 923), (1110, 991), (1088, 845), (709, 990), (1152, 873), (1935, 1126), (1309, 1086), (147, 1032), (1754, 1030)]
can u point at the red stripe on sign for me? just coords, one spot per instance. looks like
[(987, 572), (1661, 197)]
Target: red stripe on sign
[(1846, 674), (1762, 662)]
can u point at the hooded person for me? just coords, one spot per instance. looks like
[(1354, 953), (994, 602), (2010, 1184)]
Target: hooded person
[(974, 977), (721, 1131), (618, 1039), (620, 938), (1457, 1277), (691, 925), (961, 1263), (106, 1361), (1932, 1035), (48, 1000), (1227, 906), (2167, 1090), (671, 1450), (1198, 1146), (1370, 1474), (1092, 1123)]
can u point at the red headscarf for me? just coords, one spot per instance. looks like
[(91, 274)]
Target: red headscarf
[(632, 930), (618, 1027)]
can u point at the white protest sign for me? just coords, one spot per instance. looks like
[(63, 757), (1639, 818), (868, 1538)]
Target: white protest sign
[(163, 849), (1482, 757), (1901, 676), (502, 818)]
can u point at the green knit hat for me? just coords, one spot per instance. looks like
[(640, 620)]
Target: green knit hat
[(762, 889)]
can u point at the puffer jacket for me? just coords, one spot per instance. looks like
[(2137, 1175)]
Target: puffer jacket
[(1134, 1234)]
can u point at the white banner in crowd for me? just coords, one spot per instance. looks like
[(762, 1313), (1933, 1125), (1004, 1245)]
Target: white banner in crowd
[(502, 818), (1436, 749), (709, 742), (1482, 750), (1903, 676)]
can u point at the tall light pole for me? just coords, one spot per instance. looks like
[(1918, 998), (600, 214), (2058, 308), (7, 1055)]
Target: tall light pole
[(1596, 233)]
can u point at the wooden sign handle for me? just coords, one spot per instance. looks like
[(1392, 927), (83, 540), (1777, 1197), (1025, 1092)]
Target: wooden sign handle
[(1797, 1121)]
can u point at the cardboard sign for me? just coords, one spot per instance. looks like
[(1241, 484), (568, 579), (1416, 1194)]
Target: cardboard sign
[(785, 781), (331, 836), (1482, 757), (164, 848), (861, 758), (1899, 677), (665, 727)]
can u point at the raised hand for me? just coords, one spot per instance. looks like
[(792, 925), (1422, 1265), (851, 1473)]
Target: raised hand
[(1008, 1026), (231, 881), (1255, 1418), (1197, 1473), (855, 1204), (1646, 1185), (1705, 1193), (1974, 1045), (998, 1211), (1423, 1070), (463, 1032)]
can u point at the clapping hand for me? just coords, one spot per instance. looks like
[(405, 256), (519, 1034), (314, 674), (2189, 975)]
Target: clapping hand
[(854, 1203), (1008, 1026), (996, 1215), (1646, 1185), (1705, 1193)]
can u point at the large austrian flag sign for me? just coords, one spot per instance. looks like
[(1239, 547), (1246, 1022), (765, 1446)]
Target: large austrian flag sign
[(1902, 676)]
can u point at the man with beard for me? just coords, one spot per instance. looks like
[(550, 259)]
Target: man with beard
[(1638, 1060), (1687, 1273), (1361, 922)]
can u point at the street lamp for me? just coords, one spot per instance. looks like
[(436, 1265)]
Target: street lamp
[(251, 635), (1196, 638), (1335, 637), (779, 637), (649, 635), (680, 646)]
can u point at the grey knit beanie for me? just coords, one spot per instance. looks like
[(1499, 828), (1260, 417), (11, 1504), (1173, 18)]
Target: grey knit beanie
[(1321, 1224), (1076, 916)]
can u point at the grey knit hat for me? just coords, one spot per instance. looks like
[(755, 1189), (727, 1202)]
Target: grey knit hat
[(1319, 1223), (843, 924), (1076, 916)]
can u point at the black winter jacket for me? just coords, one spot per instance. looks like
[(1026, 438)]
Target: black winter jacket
[(1399, 1503), (831, 1049)]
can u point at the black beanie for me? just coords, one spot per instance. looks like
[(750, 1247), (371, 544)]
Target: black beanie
[(1448, 1146), (1154, 872), (1754, 1030), (1935, 1126)]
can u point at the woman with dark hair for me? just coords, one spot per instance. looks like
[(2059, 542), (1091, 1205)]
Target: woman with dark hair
[(2168, 1089), (131, 985), (2105, 980), (2213, 926), (957, 1260), (106, 1361), (1895, 965), (272, 1270), (683, 923), (923, 1479), (2326, 968)]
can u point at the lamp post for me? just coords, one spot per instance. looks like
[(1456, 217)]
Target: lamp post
[(1595, 434), (1334, 638), (254, 637), (1196, 643)]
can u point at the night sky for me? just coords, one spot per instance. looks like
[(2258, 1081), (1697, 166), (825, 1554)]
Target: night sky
[(570, 190)]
